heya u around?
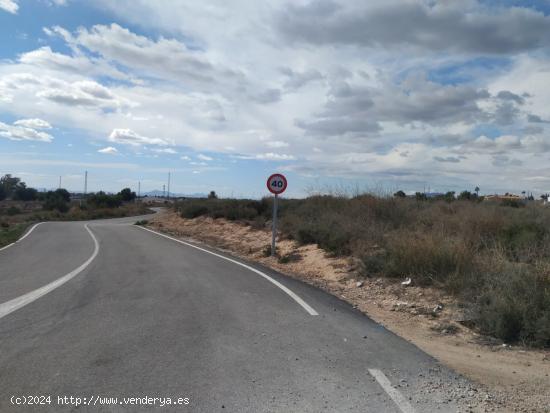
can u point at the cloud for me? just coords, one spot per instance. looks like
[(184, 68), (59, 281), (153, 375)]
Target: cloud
[(17, 132), (463, 27), (507, 95), (165, 150), (110, 150), (163, 58), (277, 144), (296, 80), (33, 123), (450, 159), (266, 96), (129, 137), (270, 156), (204, 157), (10, 6), (85, 93)]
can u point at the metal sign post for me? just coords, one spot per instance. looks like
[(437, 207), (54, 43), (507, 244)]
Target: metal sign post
[(276, 184)]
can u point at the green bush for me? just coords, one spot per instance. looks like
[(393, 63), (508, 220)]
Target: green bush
[(191, 211), (103, 200), (13, 211)]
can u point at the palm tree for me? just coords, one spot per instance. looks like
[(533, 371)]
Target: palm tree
[(476, 190)]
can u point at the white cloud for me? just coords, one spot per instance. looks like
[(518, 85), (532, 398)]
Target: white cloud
[(22, 133), (185, 158), (165, 150), (33, 123), (10, 6), (204, 157), (109, 150), (277, 144), (270, 156), (129, 137)]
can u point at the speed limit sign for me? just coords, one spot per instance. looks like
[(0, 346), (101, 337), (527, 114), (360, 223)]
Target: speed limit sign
[(276, 184)]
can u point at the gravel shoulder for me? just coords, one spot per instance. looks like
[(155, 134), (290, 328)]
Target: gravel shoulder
[(511, 378)]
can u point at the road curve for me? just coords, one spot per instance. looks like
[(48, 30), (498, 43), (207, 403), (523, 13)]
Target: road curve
[(151, 317)]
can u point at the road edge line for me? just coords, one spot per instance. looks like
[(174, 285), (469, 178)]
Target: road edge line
[(25, 235), (288, 291), (15, 304), (400, 400)]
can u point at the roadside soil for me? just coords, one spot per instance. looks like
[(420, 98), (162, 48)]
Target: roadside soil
[(509, 378)]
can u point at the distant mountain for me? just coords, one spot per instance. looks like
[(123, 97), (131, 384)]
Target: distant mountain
[(159, 193)]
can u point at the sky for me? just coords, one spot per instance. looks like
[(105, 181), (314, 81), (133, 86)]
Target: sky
[(337, 95)]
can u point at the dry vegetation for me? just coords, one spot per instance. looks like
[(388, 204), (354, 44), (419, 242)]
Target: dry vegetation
[(494, 258)]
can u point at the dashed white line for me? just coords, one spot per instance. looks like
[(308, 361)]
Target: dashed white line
[(293, 295), (395, 395), (21, 301), (23, 237)]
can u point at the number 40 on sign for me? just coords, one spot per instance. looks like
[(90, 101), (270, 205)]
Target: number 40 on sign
[(276, 184)]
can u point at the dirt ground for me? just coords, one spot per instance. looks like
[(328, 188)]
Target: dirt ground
[(511, 379)]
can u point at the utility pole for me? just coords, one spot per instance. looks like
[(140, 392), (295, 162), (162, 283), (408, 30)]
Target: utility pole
[(163, 191), (168, 185), (85, 183), (139, 189), (59, 181)]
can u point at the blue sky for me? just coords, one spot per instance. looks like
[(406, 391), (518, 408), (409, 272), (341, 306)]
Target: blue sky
[(327, 92)]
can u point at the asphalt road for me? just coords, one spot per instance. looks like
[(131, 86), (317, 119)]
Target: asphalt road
[(151, 317)]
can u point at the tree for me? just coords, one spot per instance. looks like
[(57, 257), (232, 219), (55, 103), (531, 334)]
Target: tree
[(57, 199), (420, 196), (400, 194), (3, 193), (127, 195), (476, 190), (212, 195), (103, 200), (22, 193), (465, 195), (63, 194), (9, 183), (449, 196)]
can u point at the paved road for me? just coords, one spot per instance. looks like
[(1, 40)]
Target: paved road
[(151, 317)]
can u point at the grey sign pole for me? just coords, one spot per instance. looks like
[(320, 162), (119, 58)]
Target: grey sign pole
[(274, 226)]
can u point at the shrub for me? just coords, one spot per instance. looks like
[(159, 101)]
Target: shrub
[(515, 306), (127, 195), (103, 200), (13, 210), (191, 211), (22, 193), (426, 258), (142, 222)]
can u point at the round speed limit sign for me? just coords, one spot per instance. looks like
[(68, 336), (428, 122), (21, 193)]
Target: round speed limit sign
[(276, 184)]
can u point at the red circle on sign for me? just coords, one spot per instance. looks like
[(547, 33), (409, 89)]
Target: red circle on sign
[(273, 184)]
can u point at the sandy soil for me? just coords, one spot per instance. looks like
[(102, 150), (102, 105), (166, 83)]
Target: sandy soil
[(511, 379)]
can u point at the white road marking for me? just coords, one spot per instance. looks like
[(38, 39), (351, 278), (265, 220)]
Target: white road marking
[(395, 395), (293, 295), (23, 237), (21, 301)]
